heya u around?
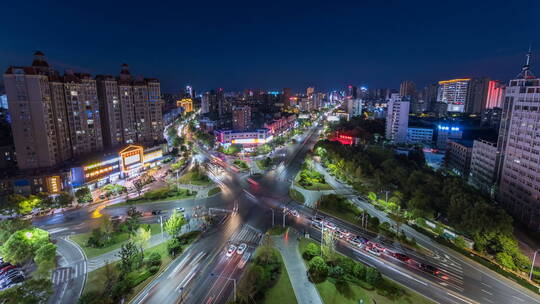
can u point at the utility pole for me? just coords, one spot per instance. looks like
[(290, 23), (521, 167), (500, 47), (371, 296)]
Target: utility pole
[(161, 224), (532, 266)]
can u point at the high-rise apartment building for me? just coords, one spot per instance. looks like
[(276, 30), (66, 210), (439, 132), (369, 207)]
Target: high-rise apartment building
[(286, 97), (310, 91), (56, 118), (477, 95), (241, 118), (495, 94), (397, 118), (519, 187), (407, 88), (354, 107)]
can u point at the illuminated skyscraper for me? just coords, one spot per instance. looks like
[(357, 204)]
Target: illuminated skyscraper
[(519, 188)]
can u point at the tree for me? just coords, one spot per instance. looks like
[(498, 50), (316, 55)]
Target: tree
[(505, 260), (174, 224), (312, 250), (328, 246), (127, 255), (141, 238), (10, 226), (132, 222), (45, 259), (33, 291), (23, 244), (83, 195), (318, 269), (138, 184), (63, 200)]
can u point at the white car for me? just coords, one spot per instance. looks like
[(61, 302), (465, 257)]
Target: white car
[(330, 225), (180, 209), (374, 250), (294, 213), (231, 251), (241, 248), (244, 260)]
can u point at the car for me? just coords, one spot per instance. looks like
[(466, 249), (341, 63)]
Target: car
[(400, 256), (241, 248), (180, 209), (6, 269), (156, 212), (295, 213), (330, 225), (102, 197), (342, 233), (244, 260), (429, 269), (4, 264), (9, 276), (374, 250), (231, 250), (116, 218)]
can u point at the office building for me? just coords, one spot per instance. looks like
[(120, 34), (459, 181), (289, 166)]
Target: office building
[(186, 104), (484, 162), (429, 95), (417, 135), (519, 187), (477, 95), (241, 118), (495, 94), (397, 118), (445, 132), (491, 118), (453, 93), (458, 157)]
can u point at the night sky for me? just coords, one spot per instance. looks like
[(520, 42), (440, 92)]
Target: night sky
[(238, 45)]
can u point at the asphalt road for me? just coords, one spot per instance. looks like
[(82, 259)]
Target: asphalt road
[(204, 274)]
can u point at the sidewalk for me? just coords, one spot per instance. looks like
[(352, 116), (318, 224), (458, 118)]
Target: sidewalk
[(305, 291)]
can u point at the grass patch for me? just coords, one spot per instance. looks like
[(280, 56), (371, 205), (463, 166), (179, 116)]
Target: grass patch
[(242, 165), (353, 292), (195, 176), (118, 239), (297, 196), (166, 193), (214, 191), (310, 179), (276, 230), (282, 292), (264, 164), (339, 207)]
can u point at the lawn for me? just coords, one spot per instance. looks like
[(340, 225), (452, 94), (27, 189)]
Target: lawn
[(276, 230), (282, 292), (331, 295), (91, 252), (264, 164), (311, 180), (297, 196), (167, 193), (242, 165), (195, 177), (213, 191)]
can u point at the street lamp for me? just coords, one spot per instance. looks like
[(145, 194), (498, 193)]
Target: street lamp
[(228, 278), (532, 266), (28, 234)]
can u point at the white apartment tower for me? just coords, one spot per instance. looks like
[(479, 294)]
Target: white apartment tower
[(397, 118), (519, 185)]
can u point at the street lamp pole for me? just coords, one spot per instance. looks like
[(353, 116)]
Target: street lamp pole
[(532, 266), (161, 225), (271, 209), (284, 213)]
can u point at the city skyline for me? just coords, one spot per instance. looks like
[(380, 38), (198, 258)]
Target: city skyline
[(294, 45)]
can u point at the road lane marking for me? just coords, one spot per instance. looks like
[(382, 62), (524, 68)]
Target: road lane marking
[(489, 293), (457, 297), (487, 285), (490, 301), (518, 298)]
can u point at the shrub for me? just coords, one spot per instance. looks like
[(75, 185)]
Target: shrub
[(336, 272), (153, 260), (318, 269), (359, 271), (153, 269), (373, 276), (311, 251)]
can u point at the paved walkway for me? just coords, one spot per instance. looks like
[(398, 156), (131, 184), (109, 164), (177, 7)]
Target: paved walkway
[(304, 290)]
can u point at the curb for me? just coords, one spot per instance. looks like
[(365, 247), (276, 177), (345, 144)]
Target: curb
[(85, 263)]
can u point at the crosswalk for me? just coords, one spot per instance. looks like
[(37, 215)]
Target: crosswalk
[(65, 274), (248, 235)]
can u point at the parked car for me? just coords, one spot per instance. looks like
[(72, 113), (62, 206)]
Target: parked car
[(231, 250), (156, 212)]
